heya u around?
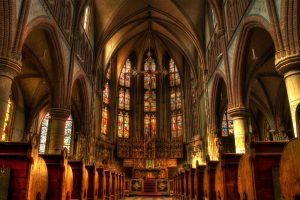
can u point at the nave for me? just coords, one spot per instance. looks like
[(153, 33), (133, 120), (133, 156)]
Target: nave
[(142, 99)]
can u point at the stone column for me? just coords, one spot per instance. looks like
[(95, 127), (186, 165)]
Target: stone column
[(57, 129), (240, 125), (290, 69), (9, 68)]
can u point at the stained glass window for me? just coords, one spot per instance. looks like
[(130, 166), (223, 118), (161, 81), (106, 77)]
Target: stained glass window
[(175, 100), (7, 120), (123, 124), (124, 101), (150, 74), (105, 103), (227, 124), (68, 134), (150, 96), (106, 93), (43, 134), (104, 121), (150, 101), (125, 74)]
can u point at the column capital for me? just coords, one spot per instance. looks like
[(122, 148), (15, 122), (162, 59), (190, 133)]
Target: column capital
[(238, 111), (59, 113), (9, 67), (287, 64)]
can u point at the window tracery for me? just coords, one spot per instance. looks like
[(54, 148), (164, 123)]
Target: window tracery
[(175, 101), (124, 101)]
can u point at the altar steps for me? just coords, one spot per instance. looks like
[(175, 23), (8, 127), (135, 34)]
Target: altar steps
[(149, 186)]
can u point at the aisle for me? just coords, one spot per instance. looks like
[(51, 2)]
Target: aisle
[(148, 198)]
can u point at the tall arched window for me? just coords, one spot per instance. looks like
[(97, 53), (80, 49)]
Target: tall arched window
[(175, 101), (7, 121), (124, 101), (227, 124), (150, 97), (44, 133), (105, 104)]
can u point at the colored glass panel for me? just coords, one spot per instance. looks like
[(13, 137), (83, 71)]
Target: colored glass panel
[(126, 126), (124, 79), (104, 121), (68, 134), (227, 124), (106, 93), (147, 125), (120, 125), (121, 99), (127, 100), (43, 133)]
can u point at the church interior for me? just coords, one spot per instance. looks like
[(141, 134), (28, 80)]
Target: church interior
[(149, 99)]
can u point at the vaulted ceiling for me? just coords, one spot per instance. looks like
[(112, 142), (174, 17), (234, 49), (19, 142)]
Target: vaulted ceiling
[(177, 24)]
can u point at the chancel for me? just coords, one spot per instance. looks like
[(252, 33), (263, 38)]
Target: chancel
[(149, 99)]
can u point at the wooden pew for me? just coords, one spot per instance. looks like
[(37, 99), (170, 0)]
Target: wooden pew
[(113, 185), (186, 184), (93, 182), (80, 180), (102, 183), (24, 170), (209, 180), (181, 194), (289, 172), (108, 184), (257, 171), (226, 176), (192, 183), (60, 176), (199, 194)]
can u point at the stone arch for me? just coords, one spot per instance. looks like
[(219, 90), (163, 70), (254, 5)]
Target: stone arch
[(59, 65), (249, 23), (219, 79)]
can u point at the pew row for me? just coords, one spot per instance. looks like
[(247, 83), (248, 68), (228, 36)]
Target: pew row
[(93, 182), (60, 176), (258, 171), (80, 180), (24, 173), (289, 172), (226, 176)]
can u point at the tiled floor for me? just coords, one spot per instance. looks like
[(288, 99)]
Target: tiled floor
[(148, 198)]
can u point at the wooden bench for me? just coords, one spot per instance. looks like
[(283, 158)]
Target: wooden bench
[(199, 192), (24, 170), (93, 182), (209, 180), (102, 183), (80, 180), (258, 171), (108, 188), (226, 176), (60, 176), (289, 171)]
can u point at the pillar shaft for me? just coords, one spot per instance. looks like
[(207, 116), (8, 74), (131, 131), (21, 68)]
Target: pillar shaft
[(57, 130), (289, 68), (292, 83), (240, 125), (8, 70)]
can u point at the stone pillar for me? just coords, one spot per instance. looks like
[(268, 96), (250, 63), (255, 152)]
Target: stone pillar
[(240, 125), (289, 68), (57, 129), (9, 68)]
